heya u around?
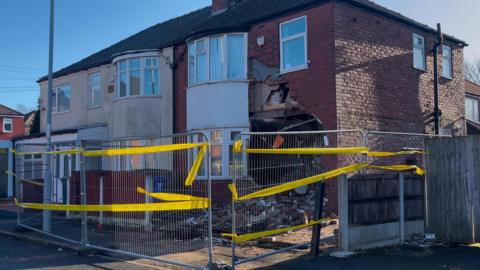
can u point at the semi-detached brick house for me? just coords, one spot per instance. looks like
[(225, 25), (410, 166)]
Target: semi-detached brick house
[(11, 123), (242, 65)]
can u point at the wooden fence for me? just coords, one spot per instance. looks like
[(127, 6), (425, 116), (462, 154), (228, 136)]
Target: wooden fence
[(453, 188)]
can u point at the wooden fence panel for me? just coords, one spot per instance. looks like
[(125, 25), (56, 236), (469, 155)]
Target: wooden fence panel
[(453, 177)]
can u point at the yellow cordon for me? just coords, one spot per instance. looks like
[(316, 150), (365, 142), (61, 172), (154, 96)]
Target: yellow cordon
[(142, 150), (196, 166), (391, 154), (171, 196), (317, 178), (251, 236), (18, 179), (147, 207)]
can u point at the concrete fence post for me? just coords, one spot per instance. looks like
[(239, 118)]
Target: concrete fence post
[(343, 212), (401, 203), (148, 215)]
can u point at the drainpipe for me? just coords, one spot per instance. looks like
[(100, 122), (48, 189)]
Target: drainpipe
[(173, 67), (436, 111)]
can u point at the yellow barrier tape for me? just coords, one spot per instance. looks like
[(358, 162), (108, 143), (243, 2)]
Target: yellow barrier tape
[(18, 179), (417, 169), (59, 152), (196, 166), (171, 196), (299, 183), (391, 154), (317, 178), (251, 236), (307, 151), (149, 207), (143, 150)]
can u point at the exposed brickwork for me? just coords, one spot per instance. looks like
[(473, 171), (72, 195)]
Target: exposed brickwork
[(181, 83), (18, 128), (314, 87), (378, 88)]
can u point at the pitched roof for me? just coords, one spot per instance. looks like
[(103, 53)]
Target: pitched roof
[(472, 88), (4, 110), (239, 17)]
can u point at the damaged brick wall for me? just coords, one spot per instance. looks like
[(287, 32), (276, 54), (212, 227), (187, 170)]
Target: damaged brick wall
[(377, 86), (310, 90)]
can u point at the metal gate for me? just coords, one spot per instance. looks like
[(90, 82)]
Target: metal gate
[(3, 174)]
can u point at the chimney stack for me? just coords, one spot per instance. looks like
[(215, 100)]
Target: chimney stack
[(222, 5)]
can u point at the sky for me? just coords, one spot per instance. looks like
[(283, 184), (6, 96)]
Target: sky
[(83, 27)]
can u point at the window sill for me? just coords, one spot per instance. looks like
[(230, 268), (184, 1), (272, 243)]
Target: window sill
[(286, 71), (94, 108), (420, 69), (218, 82), (135, 97), (60, 113), (447, 78)]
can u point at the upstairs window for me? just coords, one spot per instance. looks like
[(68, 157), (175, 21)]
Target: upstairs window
[(61, 97), (138, 77), (7, 125), (293, 44), (447, 62), (471, 109), (217, 58), (419, 52), (94, 90)]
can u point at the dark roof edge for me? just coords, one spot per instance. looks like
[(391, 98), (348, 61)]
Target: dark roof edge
[(16, 113), (42, 134), (400, 18)]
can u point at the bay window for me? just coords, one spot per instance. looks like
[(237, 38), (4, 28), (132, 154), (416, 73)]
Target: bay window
[(217, 58), (293, 45), (138, 77)]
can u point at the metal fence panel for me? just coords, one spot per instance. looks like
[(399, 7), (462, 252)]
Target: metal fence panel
[(30, 173), (254, 172), (177, 237)]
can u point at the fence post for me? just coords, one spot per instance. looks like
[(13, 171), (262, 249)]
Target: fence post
[(401, 192), (343, 212), (318, 214), (210, 213), (101, 198), (83, 198), (67, 200), (148, 215)]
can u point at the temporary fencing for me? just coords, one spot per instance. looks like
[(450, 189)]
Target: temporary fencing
[(151, 197)]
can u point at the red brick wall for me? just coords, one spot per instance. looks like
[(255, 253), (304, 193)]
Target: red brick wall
[(181, 83), (377, 86), (314, 87), (18, 128)]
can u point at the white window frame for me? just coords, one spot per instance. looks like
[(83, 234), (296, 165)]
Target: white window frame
[(31, 168), (224, 58), (55, 92), (227, 143), (10, 121), (415, 46), (143, 67), (90, 106), (444, 57), (282, 40), (476, 114)]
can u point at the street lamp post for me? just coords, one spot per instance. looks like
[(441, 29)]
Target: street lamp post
[(47, 187)]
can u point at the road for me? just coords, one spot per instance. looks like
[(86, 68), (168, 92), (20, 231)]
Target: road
[(15, 254)]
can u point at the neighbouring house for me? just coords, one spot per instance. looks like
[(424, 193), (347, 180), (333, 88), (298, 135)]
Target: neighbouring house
[(11, 123), (32, 122), (472, 111), (262, 65)]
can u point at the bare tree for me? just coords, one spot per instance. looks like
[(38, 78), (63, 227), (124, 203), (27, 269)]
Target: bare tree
[(472, 70)]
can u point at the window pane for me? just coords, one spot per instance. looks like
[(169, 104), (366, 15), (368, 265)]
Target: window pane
[(236, 57), (293, 28), (201, 68), (134, 82), (151, 82), (191, 64), (123, 65), (151, 62), (418, 58), (64, 94), (95, 90), (134, 64), (216, 141), (7, 125), (447, 68), (201, 46), (294, 53), (54, 100), (216, 65), (123, 84)]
